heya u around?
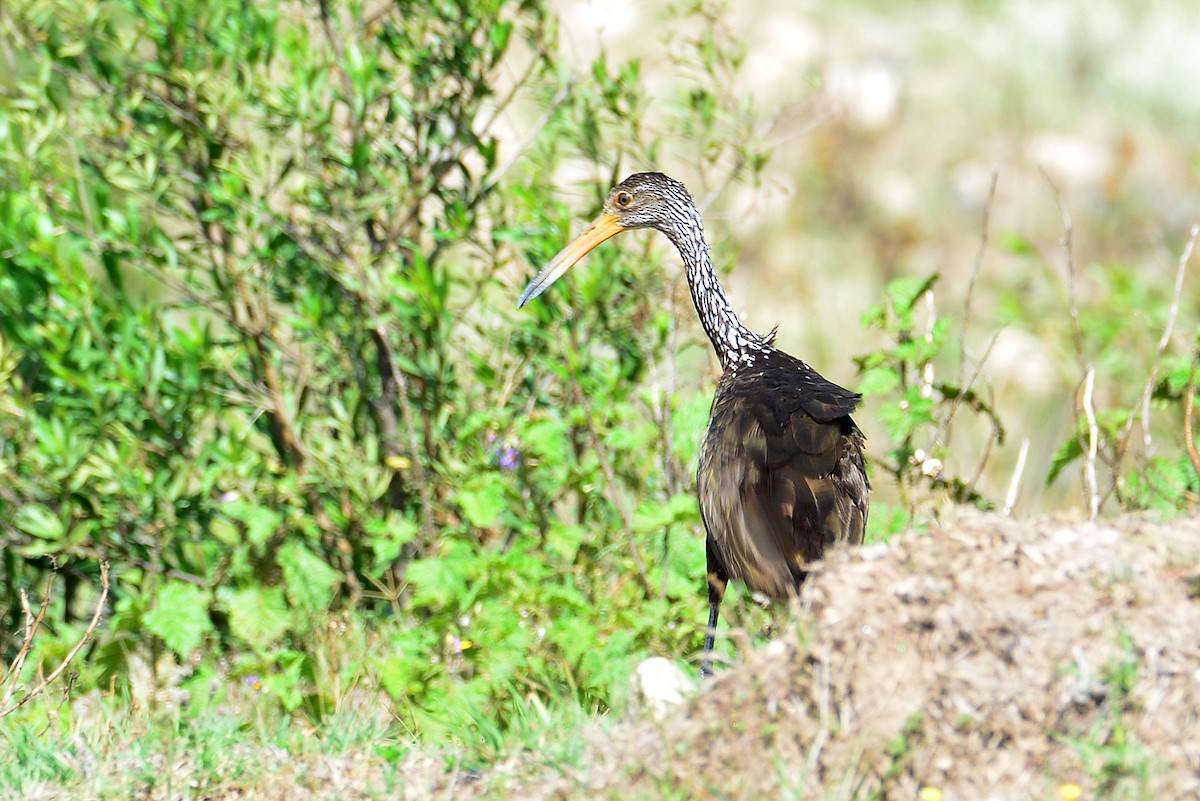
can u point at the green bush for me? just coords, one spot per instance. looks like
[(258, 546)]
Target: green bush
[(259, 349)]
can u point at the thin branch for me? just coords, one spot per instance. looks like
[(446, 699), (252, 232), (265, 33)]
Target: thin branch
[(31, 628), (379, 334), (32, 624), (965, 392), (930, 325), (1089, 467), (1085, 402), (975, 270), (663, 399), (1068, 248), (372, 18), (1168, 331), (532, 132), (1188, 404), (504, 102), (339, 49), (997, 434), (283, 430), (611, 477), (1014, 486)]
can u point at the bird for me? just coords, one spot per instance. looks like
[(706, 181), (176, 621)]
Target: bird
[(782, 474)]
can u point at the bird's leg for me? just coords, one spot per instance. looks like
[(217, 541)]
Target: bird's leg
[(717, 581), (714, 606)]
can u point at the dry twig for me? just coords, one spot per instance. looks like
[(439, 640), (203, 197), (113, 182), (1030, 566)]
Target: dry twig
[(1188, 405), (32, 625), (390, 371), (1014, 486), (1089, 465), (1069, 250), (984, 234), (1085, 399), (1144, 401)]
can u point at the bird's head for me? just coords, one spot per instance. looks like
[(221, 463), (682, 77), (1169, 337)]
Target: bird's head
[(643, 200)]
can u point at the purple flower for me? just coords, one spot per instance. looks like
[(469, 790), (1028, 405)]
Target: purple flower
[(503, 453), (510, 458)]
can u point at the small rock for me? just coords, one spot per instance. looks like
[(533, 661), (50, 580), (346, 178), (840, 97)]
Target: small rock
[(1065, 536), (660, 686)]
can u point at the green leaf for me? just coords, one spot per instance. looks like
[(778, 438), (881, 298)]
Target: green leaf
[(905, 292), (38, 521), (689, 417), (390, 535), (684, 507), (310, 581), (545, 439), (403, 672), (1068, 452), (498, 35), (904, 417), (564, 540), (1016, 244), (287, 686), (440, 580), (878, 381), (261, 522), (258, 616), (483, 499), (179, 617)]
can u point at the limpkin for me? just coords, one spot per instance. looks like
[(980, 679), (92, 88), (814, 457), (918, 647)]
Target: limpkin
[(781, 474)]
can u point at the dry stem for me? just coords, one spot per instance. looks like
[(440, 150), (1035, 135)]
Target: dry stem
[(1069, 250), (975, 270), (1188, 404), (1089, 467), (1144, 401), (32, 626), (1014, 486)]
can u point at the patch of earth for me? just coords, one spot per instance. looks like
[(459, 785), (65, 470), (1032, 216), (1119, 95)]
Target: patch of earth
[(989, 659)]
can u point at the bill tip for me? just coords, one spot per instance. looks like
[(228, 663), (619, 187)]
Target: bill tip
[(528, 295)]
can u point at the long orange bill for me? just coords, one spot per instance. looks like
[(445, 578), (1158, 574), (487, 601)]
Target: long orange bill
[(605, 227)]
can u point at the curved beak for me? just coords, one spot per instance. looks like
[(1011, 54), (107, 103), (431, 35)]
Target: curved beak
[(605, 227)]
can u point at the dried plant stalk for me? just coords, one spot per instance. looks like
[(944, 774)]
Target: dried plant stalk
[(33, 624)]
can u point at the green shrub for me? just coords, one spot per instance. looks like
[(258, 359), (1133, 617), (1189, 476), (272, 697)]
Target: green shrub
[(259, 349)]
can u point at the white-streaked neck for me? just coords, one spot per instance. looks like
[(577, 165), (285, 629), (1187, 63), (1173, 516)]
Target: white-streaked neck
[(735, 344)]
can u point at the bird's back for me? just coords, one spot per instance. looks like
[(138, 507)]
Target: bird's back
[(782, 473)]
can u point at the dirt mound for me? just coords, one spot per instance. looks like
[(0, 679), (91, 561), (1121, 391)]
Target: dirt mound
[(989, 659)]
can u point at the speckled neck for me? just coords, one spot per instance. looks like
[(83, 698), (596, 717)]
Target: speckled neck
[(736, 345)]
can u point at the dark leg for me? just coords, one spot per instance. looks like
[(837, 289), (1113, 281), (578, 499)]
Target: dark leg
[(714, 607), (717, 582)]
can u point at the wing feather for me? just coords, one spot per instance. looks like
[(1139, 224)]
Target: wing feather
[(782, 475)]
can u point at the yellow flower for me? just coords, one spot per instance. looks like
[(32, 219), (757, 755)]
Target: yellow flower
[(397, 462), (930, 794), (1070, 792)]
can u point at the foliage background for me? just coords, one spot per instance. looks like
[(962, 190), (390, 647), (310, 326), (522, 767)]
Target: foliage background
[(259, 347)]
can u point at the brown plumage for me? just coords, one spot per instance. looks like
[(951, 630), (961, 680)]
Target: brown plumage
[(781, 474)]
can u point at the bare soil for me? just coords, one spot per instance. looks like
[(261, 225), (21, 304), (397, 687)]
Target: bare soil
[(991, 658)]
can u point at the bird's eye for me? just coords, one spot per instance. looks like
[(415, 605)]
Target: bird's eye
[(623, 200)]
